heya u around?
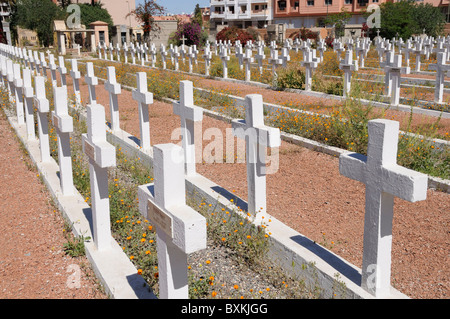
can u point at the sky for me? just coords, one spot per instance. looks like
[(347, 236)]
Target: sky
[(179, 6)]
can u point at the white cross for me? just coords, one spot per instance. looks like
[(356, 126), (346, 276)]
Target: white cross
[(182, 52), (10, 77), (257, 137), (163, 53), (285, 57), (18, 91), (440, 67), (53, 67), (175, 54), (43, 107), (180, 230), (62, 70), (396, 70), (225, 58), (153, 54), (387, 64), (43, 63), (144, 98), (125, 52), (191, 117), (384, 179), (417, 50), (309, 63), (28, 103), (92, 81), (247, 60), (274, 60), (64, 126), (407, 48), (37, 62), (207, 57), (101, 155), (114, 89), (321, 47), (239, 55), (76, 75), (260, 56), (348, 66), (360, 52), (190, 56)]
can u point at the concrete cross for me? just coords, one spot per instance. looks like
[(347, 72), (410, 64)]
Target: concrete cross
[(321, 47), (247, 60), (101, 155), (191, 117), (441, 67), (380, 49), (76, 75), (239, 52), (225, 58), (133, 53), (182, 52), (180, 230), (114, 89), (62, 70), (111, 51), (384, 180), (260, 56), (417, 50), (396, 70), (53, 67), (43, 107), (99, 51), (153, 54), (171, 52), (37, 63), (257, 137), (309, 63), (175, 54), (28, 103), (207, 56), (285, 57), (163, 54), (386, 65), (339, 48), (92, 81), (348, 66), (10, 78), (117, 52), (144, 98), (190, 56), (64, 126), (297, 44), (43, 63), (18, 93), (407, 48), (32, 62), (360, 51), (125, 52), (275, 61)]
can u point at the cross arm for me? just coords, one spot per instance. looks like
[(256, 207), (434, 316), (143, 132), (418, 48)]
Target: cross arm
[(42, 104), (63, 122), (353, 165), (193, 113), (102, 152), (184, 225), (113, 88), (404, 183), (143, 97)]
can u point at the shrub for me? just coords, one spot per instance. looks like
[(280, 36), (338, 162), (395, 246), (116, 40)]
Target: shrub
[(291, 77), (192, 32), (233, 34)]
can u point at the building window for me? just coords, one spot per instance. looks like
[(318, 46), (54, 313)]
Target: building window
[(374, 0), (328, 2), (310, 2), (282, 5), (362, 3), (351, 1), (296, 4)]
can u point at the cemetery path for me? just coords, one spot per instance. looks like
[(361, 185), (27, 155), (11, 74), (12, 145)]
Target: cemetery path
[(33, 264), (309, 194)]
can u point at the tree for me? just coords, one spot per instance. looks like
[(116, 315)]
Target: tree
[(406, 18), (192, 32), (339, 20), (145, 13), (198, 17), (37, 15), (91, 13)]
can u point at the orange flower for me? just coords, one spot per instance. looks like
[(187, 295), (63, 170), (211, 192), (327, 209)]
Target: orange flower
[(139, 272)]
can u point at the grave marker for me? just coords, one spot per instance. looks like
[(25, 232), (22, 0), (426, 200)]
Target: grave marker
[(191, 117), (18, 92), (91, 80), (43, 107), (247, 60), (384, 179), (28, 104), (62, 70), (396, 70), (180, 230), (225, 58), (309, 63), (76, 75), (144, 98), (257, 137), (63, 124), (348, 66), (114, 89), (440, 67), (102, 155)]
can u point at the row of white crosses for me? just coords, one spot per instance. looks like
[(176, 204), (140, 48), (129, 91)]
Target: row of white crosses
[(180, 230)]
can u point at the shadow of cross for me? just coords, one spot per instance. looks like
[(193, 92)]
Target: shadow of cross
[(257, 137), (180, 230), (101, 155), (384, 179)]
